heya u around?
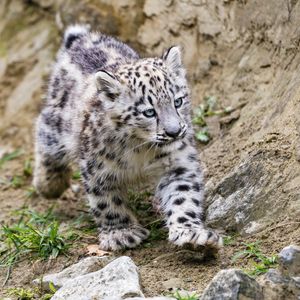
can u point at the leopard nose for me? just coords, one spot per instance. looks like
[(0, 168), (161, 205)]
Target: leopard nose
[(173, 132)]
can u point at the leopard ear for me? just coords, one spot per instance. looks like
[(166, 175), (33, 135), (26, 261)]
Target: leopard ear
[(172, 58), (108, 84)]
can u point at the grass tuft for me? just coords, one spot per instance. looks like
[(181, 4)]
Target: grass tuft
[(184, 296), (10, 156), (35, 235), (260, 262), (31, 293)]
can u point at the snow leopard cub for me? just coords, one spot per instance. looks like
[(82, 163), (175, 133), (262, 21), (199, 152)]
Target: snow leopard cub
[(123, 119)]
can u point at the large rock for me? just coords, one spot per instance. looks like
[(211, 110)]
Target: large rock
[(289, 261), (119, 278), (232, 284), (277, 287), (85, 266), (242, 200)]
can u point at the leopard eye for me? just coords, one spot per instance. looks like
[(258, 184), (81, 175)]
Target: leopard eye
[(178, 102), (149, 113)]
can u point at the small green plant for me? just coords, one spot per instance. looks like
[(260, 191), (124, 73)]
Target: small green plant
[(31, 192), (157, 231), (139, 202), (229, 240), (76, 175), (203, 136), (10, 156), (27, 169), (35, 235), (260, 262), (17, 181), (203, 111), (22, 293), (30, 294), (184, 296)]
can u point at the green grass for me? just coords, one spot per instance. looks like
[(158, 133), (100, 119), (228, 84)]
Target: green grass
[(259, 262), (229, 239), (31, 293), (10, 156), (17, 181), (184, 296), (143, 208), (207, 109), (35, 235), (27, 169), (31, 192)]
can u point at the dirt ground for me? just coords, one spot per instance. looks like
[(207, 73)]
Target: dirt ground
[(251, 64), (158, 261)]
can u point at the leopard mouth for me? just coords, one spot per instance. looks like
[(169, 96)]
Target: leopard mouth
[(163, 140)]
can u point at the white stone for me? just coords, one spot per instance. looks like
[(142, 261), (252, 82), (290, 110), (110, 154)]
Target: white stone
[(232, 284), (119, 278), (84, 266)]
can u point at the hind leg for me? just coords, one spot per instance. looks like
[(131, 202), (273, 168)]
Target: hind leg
[(52, 172)]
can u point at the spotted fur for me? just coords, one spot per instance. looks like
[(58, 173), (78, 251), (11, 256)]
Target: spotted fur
[(123, 119)]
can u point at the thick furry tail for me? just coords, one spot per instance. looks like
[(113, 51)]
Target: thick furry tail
[(74, 32)]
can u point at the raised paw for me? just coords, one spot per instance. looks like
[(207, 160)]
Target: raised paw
[(196, 236), (117, 239)]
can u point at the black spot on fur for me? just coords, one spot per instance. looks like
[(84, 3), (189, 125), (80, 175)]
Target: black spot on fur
[(117, 200), (183, 188), (112, 216), (192, 157), (179, 201), (196, 187), (125, 220), (150, 100), (179, 171), (70, 39), (182, 146), (102, 205), (191, 214), (96, 212), (130, 239), (182, 220), (196, 202)]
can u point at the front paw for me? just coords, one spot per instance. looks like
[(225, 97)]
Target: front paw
[(196, 236), (116, 239)]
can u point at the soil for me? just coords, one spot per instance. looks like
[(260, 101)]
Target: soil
[(252, 65), (158, 262)]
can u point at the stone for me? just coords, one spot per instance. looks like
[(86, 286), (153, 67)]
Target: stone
[(84, 266), (232, 284), (275, 286), (118, 279), (289, 261), (241, 201)]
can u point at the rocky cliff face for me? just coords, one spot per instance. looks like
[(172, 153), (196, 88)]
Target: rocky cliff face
[(244, 53)]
